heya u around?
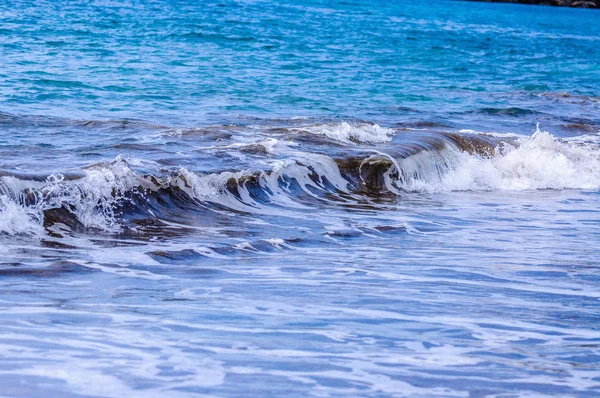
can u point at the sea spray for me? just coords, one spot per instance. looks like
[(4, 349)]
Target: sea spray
[(541, 161)]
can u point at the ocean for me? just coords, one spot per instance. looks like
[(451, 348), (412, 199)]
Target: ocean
[(309, 198)]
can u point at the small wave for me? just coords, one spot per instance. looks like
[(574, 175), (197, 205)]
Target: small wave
[(251, 191), (585, 139), (356, 133), (537, 162), (493, 133), (107, 195), (19, 120), (424, 124), (91, 199), (569, 97), (579, 127), (513, 111)]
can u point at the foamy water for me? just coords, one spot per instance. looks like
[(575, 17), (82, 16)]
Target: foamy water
[(355, 272), (538, 162), (361, 133)]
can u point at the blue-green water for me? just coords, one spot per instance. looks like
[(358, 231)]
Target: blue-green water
[(191, 63), (311, 198)]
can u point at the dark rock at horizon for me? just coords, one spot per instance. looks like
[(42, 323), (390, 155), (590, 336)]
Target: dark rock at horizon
[(560, 3)]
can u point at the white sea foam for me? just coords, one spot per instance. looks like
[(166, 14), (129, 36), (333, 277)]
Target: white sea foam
[(537, 162), (92, 199), (95, 198), (345, 132), (213, 187), (17, 219), (498, 134), (585, 138), (270, 145)]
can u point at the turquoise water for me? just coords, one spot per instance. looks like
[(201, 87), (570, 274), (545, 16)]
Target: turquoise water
[(189, 63), (312, 198)]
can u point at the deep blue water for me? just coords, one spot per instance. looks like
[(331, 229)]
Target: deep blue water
[(311, 198)]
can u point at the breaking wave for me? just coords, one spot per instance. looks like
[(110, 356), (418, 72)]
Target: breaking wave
[(112, 196), (537, 162)]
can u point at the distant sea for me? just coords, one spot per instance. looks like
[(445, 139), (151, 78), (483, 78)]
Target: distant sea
[(302, 199)]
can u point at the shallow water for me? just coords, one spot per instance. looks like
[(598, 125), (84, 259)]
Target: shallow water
[(312, 199)]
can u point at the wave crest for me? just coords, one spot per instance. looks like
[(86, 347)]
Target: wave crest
[(537, 162), (110, 196), (356, 133)]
